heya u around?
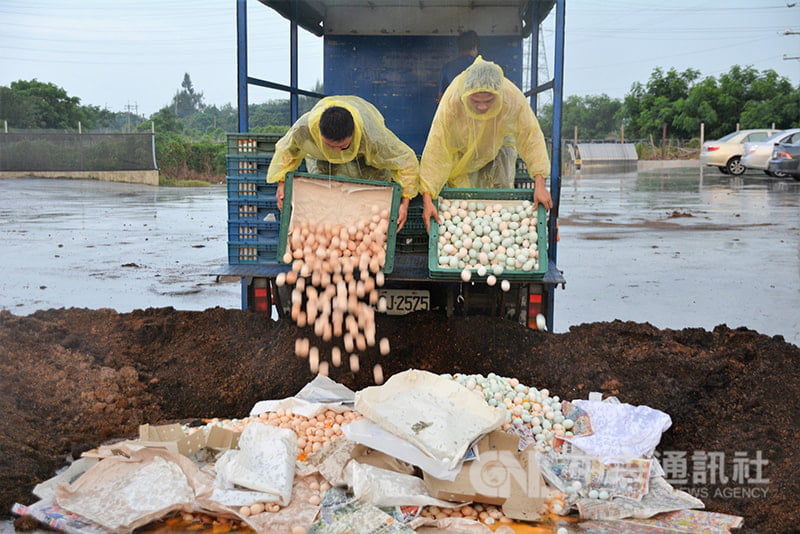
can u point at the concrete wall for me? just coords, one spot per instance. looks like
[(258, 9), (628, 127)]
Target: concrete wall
[(129, 177)]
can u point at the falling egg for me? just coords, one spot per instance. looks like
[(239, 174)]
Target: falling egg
[(377, 373), (384, 346)]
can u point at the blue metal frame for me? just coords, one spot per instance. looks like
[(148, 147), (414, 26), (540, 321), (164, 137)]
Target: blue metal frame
[(243, 80), (553, 278)]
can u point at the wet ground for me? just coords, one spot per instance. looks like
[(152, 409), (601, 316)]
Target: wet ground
[(676, 248)]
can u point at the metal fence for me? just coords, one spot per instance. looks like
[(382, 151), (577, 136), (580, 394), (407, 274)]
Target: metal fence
[(77, 152)]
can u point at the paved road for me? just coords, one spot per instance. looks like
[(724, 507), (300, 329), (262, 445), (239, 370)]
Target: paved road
[(676, 248)]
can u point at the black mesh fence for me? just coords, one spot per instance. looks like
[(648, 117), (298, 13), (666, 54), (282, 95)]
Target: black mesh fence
[(76, 152)]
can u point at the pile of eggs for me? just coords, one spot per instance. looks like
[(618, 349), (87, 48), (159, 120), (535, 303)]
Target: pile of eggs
[(488, 237), (335, 276), (524, 405), (317, 491), (313, 433)]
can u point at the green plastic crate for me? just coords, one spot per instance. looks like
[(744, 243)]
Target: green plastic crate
[(286, 214), (250, 144), (489, 195)]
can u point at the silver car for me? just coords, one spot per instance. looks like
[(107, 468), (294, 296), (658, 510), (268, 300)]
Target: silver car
[(757, 154), (726, 152)]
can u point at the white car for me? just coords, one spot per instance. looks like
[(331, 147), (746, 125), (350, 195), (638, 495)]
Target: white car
[(726, 152), (757, 154)]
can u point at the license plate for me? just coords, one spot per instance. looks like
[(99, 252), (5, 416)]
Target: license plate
[(403, 301)]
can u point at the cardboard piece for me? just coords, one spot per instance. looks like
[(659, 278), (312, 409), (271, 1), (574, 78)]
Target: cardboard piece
[(501, 475), (172, 438), (222, 438), (365, 455)]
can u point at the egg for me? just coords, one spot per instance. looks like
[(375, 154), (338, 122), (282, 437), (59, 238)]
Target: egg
[(336, 356), (313, 359), (354, 363), (491, 280), (505, 285), (384, 346), (466, 275), (377, 373)]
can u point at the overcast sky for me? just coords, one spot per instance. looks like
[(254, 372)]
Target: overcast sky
[(123, 53)]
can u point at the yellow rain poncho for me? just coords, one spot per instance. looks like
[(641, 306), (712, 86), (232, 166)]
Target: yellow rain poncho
[(470, 149), (374, 153)]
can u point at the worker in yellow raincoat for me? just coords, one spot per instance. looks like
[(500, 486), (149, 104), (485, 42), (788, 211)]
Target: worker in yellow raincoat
[(346, 136), (483, 121)]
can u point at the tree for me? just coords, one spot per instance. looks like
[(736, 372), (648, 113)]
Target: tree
[(187, 102), (164, 121), (594, 116), (648, 107), (35, 104)]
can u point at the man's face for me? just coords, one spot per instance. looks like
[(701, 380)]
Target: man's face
[(481, 102), (337, 146)]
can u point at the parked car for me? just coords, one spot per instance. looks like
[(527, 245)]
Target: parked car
[(757, 154), (786, 159), (726, 152)]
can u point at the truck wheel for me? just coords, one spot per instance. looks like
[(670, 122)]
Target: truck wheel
[(735, 166)]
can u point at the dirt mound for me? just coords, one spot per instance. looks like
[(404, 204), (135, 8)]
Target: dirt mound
[(73, 378)]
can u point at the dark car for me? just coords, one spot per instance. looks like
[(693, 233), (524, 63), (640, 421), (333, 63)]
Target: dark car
[(785, 159)]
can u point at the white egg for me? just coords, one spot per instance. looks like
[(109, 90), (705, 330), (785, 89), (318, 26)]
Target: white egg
[(505, 285), (491, 280)]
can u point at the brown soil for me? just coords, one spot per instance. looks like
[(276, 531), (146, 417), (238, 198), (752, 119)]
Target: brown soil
[(73, 378)]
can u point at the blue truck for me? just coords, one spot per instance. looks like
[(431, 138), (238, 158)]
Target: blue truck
[(390, 53)]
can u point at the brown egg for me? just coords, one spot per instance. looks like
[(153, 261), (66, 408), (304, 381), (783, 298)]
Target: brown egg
[(301, 319), (373, 297), (291, 278), (384, 346), (369, 285), (319, 325), (349, 345), (313, 359), (327, 332), (354, 363), (336, 356), (377, 373), (323, 369), (379, 279), (361, 342)]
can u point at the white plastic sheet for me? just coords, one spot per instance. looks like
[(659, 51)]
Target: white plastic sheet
[(122, 493), (265, 462), (621, 430), (373, 436), (316, 397), (439, 416), (381, 487)]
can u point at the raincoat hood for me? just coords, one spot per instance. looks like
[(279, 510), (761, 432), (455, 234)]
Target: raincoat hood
[(481, 77), (333, 156)]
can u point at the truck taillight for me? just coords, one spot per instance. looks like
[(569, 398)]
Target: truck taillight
[(261, 299), (534, 309)]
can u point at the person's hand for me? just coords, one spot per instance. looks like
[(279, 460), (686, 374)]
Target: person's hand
[(540, 193), (279, 196), (402, 213), (428, 211)]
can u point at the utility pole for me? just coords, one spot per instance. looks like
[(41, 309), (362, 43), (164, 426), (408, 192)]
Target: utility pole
[(128, 110)]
